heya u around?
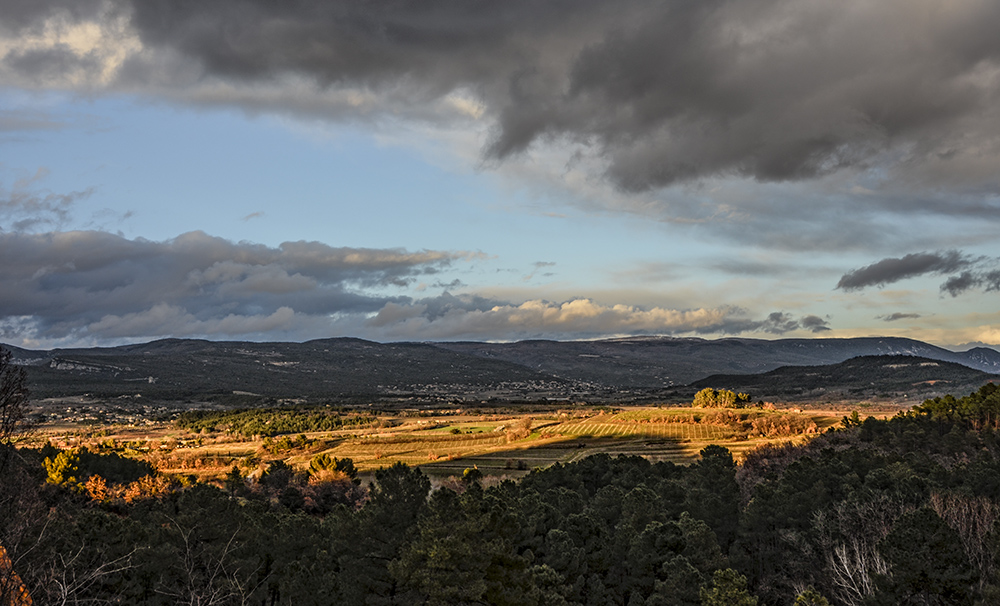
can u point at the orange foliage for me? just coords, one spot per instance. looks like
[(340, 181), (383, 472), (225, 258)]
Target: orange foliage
[(97, 488), (11, 584), (146, 487)]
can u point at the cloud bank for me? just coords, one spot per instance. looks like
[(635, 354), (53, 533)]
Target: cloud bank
[(657, 93), (471, 317), (91, 285), (99, 288)]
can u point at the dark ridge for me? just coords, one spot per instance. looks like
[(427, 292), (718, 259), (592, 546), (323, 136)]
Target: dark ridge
[(178, 369), (863, 376), (621, 369)]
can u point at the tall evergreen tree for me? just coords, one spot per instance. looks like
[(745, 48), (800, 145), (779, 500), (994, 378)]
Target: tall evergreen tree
[(927, 564)]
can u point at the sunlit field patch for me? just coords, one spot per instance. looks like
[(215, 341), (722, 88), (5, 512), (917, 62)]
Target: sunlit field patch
[(503, 444)]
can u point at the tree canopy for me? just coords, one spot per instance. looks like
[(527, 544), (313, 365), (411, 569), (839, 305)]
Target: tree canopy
[(720, 398), (897, 511)]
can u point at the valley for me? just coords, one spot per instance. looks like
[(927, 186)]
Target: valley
[(499, 442), (182, 405)]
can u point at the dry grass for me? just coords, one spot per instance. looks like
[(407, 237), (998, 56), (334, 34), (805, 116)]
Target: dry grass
[(498, 445)]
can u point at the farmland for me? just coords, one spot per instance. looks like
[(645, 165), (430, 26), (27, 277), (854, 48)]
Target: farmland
[(444, 443)]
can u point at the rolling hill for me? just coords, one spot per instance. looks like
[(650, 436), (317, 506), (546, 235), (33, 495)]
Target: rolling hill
[(177, 369), (353, 369), (863, 376), (657, 362)]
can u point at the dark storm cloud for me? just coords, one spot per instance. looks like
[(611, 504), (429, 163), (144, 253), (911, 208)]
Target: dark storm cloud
[(456, 283), (967, 280), (664, 92), (736, 322), (51, 64), (90, 284), (968, 273), (17, 15), (778, 323), (956, 285), (991, 280), (815, 324), (892, 270), (447, 303), (669, 91)]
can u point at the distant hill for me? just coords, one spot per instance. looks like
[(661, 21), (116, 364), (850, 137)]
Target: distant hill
[(353, 369), (177, 369), (656, 362), (863, 376)]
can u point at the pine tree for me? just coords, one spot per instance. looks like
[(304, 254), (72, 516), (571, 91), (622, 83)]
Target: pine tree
[(729, 588), (927, 563)]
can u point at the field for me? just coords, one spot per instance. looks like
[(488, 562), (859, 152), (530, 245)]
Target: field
[(446, 443)]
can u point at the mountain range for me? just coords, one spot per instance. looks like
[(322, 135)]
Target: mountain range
[(651, 362), (353, 369)]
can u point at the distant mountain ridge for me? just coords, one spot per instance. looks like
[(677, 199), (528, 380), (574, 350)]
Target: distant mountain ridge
[(345, 368), (326, 368), (659, 361), (895, 375)]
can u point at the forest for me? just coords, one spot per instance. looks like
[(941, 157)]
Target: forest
[(272, 421), (896, 511)]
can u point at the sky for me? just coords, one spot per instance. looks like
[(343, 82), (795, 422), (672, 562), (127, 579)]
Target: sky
[(428, 170)]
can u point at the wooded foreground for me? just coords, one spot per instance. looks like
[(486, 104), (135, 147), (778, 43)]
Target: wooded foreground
[(898, 511)]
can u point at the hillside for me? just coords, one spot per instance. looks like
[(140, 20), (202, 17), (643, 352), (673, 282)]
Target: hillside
[(632, 369), (328, 368), (864, 376), (657, 362)]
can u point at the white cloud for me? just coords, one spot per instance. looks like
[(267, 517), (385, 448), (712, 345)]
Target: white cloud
[(988, 334), (577, 318)]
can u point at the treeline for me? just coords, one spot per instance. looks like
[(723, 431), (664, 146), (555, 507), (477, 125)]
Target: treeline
[(744, 423), (767, 425), (721, 398), (271, 421), (602, 531), (902, 511), (977, 410), (63, 466), (879, 512)]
